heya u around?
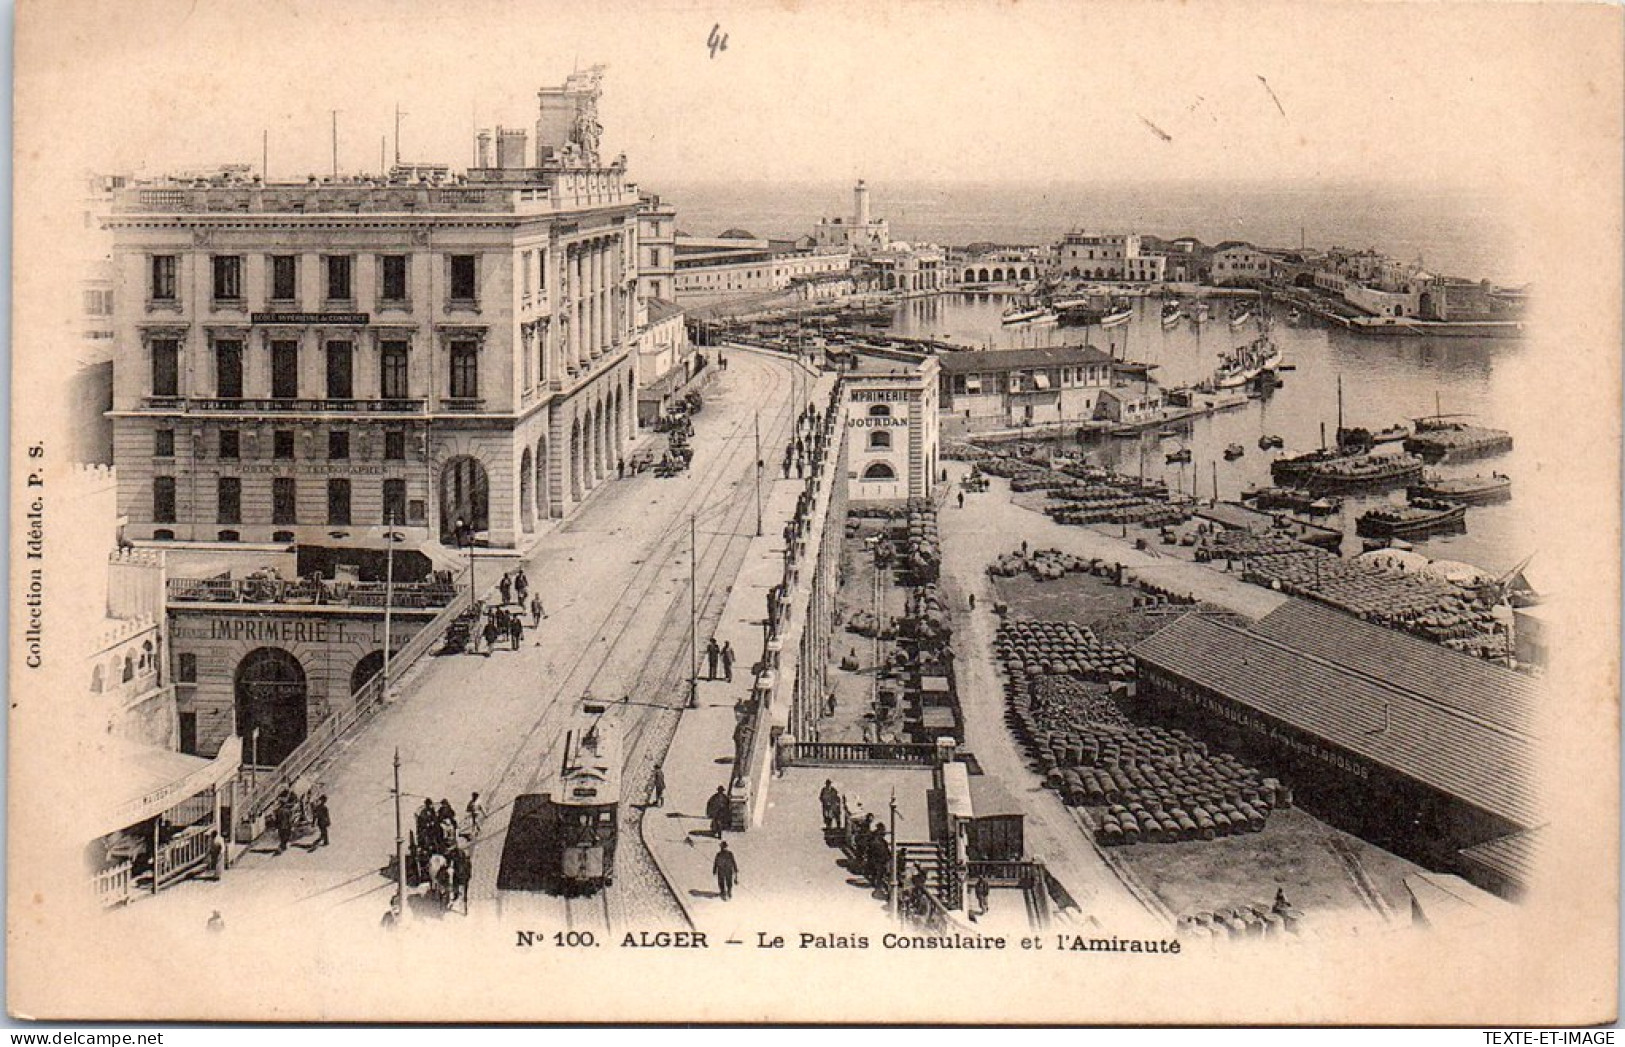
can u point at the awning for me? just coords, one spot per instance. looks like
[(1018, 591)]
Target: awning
[(1041, 379), (973, 383), (136, 782)]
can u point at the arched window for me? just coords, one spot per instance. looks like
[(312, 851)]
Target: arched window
[(96, 680), (129, 668), (880, 411), (880, 471), (879, 439)]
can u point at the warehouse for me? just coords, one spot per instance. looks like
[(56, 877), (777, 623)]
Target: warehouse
[(1421, 750)]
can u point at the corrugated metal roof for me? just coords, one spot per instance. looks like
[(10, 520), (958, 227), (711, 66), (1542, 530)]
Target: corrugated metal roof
[(1512, 857), (1407, 662), (990, 360), (1454, 751)]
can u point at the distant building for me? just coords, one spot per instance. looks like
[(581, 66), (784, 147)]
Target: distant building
[(909, 269), (1108, 256), (710, 269), (1129, 402), (1007, 388), (997, 265), (657, 249), (891, 426), (1236, 264), (861, 234), (665, 360)]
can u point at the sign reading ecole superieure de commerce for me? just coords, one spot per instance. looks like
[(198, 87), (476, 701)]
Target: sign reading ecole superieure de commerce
[(345, 319)]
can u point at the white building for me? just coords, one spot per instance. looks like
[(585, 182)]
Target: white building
[(891, 426), (861, 234), (1107, 256), (1237, 264)]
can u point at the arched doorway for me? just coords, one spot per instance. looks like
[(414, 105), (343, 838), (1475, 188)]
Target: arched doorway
[(589, 451), (982, 275), (527, 515), (366, 669), (271, 698), (544, 496), (465, 494)]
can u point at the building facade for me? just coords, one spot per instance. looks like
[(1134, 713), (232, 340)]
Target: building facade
[(910, 269), (308, 362), (861, 234), (1108, 256), (657, 249), (1238, 264), (713, 269), (891, 427), (1008, 388)]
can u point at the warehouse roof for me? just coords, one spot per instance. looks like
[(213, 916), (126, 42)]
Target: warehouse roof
[(1414, 732), (984, 361), (1457, 679), (1511, 857)]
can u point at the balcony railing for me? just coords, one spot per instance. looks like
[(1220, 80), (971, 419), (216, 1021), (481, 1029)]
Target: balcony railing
[(462, 404), (920, 753), (112, 886), (393, 405), (403, 595)]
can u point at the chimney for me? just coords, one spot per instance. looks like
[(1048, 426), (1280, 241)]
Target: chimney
[(510, 148), (483, 142)]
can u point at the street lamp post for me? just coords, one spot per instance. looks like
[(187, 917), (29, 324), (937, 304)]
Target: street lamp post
[(389, 599), (892, 871), (693, 619), (400, 841), (758, 430)]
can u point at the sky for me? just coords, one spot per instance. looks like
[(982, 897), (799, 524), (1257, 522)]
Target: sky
[(979, 91)]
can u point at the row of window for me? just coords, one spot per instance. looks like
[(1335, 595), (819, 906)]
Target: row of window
[(962, 384), (284, 500), (230, 444), (393, 383), (226, 271)]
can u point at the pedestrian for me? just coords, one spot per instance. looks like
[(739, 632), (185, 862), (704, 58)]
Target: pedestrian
[(505, 587), (217, 923), (217, 854), (718, 808), (320, 815), (973, 601), (476, 814), (462, 873), (829, 798), (428, 825), (726, 868), (728, 661), (516, 630), (787, 467), (521, 586), (284, 825), (657, 787), (712, 653), (962, 499), (620, 468), (800, 468), (536, 612), (392, 916), (981, 890), (447, 816), (829, 704), (490, 634)]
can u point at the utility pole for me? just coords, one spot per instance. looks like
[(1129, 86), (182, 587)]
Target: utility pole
[(398, 115), (693, 617), (758, 429), (389, 597), (892, 871), (400, 842), (335, 113), (265, 156)]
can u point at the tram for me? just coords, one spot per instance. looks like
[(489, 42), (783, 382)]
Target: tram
[(577, 814)]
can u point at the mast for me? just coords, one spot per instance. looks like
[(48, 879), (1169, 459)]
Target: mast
[(1340, 407)]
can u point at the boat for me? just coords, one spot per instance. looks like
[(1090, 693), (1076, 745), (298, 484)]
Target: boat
[(1327, 470), (1267, 441), (1198, 314), (1171, 313), (1233, 452), (1242, 365), (1117, 317), (1181, 455), (1293, 499), (1240, 317), (1422, 517), (1294, 319), (873, 317), (1392, 434), (1439, 437), (1028, 314), (1468, 490)]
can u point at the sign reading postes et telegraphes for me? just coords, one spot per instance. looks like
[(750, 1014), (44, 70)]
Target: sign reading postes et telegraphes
[(344, 319)]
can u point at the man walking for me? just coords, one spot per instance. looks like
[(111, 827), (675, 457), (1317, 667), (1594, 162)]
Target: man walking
[(537, 611), (505, 587), (829, 798), (318, 814), (521, 586), (726, 868), (657, 787), (476, 814), (712, 652), (718, 809), (727, 661)]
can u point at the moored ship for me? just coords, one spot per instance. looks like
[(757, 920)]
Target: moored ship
[(1436, 439), (1468, 490), (1293, 500), (1325, 470), (1422, 517), (1246, 363)]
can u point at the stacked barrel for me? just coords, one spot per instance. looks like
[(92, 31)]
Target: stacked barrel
[(1156, 785)]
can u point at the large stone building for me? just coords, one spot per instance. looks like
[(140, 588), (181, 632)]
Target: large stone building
[(1009, 388), (891, 426), (736, 264), (861, 234), (1108, 256), (306, 362)]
